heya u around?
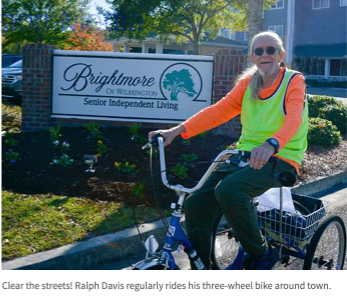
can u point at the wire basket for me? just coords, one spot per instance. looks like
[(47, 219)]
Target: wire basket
[(297, 229)]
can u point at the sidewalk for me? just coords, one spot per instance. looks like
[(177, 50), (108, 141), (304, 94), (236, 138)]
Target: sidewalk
[(121, 249), (338, 93)]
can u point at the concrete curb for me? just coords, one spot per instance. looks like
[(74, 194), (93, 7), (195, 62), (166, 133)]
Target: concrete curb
[(126, 243), (320, 185)]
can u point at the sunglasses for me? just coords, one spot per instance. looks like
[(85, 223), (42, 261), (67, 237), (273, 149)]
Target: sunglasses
[(260, 51)]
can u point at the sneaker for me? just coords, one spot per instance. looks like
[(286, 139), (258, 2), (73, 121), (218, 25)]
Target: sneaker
[(265, 262)]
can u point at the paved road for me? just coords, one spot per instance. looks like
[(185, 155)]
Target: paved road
[(338, 93), (336, 197)]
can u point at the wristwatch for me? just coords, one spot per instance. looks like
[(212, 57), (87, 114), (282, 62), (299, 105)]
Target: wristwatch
[(274, 142)]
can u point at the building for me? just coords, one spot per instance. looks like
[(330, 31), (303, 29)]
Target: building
[(153, 45), (320, 38), (314, 33)]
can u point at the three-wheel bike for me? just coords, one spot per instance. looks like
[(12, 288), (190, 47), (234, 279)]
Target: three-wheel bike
[(307, 238)]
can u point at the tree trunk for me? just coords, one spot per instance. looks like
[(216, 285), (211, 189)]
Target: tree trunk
[(196, 48), (255, 21)]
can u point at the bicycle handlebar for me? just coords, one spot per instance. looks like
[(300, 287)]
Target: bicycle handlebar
[(285, 178), (158, 138)]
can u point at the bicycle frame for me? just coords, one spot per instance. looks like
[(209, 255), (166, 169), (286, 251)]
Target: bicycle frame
[(175, 231), (177, 234)]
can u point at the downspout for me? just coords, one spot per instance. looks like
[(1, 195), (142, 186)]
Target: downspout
[(290, 31)]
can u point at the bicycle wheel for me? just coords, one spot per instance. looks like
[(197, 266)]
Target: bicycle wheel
[(295, 263), (327, 248), (225, 245), (301, 208)]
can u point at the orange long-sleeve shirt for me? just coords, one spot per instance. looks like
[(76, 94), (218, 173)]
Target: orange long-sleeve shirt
[(231, 105)]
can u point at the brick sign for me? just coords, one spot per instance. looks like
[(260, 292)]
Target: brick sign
[(130, 87)]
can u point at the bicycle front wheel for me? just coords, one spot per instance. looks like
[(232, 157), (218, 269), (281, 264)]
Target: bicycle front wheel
[(225, 245), (327, 248)]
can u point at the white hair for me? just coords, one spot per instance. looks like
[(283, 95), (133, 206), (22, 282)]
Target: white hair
[(256, 81)]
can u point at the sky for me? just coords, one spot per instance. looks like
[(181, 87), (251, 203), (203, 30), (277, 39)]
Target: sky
[(92, 9), (95, 3)]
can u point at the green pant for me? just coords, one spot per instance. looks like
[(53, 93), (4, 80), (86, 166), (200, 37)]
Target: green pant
[(229, 190)]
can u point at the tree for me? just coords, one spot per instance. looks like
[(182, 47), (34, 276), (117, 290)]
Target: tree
[(179, 82), (86, 38), (40, 21), (183, 19), (186, 20)]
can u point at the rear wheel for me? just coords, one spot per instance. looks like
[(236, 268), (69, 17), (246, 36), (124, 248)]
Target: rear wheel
[(327, 248)]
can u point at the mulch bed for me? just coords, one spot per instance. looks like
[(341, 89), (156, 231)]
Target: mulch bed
[(34, 173)]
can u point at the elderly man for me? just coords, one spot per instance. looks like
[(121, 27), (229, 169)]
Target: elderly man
[(274, 117)]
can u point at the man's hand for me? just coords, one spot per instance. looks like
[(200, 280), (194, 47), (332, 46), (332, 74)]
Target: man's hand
[(169, 135), (260, 155)]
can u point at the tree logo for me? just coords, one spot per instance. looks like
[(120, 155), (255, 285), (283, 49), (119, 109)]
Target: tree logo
[(181, 81)]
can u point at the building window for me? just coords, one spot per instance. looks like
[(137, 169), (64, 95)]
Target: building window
[(135, 50), (343, 2), (278, 5), (310, 66), (277, 29), (319, 4), (343, 68), (338, 67), (230, 34), (224, 33)]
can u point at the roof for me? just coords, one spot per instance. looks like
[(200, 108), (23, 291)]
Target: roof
[(322, 50), (219, 41)]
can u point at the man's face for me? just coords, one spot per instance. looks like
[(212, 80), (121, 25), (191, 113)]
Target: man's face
[(266, 56)]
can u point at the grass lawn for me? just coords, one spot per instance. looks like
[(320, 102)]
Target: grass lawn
[(34, 223)]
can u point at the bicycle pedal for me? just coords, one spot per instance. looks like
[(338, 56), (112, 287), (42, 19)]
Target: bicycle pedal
[(180, 248), (285, 261)]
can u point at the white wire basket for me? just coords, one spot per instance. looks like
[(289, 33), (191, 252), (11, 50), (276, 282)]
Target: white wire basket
[(297, 229)]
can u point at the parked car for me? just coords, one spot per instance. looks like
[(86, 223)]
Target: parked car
[(9, 59), (12, 82)]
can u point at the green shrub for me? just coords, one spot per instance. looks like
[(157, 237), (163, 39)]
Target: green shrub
[(323, 132), (125, 167), (64, 160), (330, 109), (10, 141), (12, 156), (102, 149), (180, 171), (136, 136), (337, 114), (317, 102), (94, 131), (189, 157), (185, 142)]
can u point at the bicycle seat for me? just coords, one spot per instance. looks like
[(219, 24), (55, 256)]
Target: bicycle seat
[(287, 179)]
